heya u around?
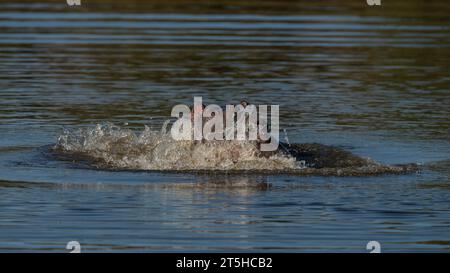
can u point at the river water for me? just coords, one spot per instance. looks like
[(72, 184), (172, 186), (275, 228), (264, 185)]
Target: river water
[(371, 80)]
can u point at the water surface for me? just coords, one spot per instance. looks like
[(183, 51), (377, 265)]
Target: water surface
[(374, 81)]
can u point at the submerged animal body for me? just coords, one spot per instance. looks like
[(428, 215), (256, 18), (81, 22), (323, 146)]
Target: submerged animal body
[(325, 160), (314, 155)]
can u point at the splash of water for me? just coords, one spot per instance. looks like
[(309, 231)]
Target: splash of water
[(112, 146), (109, 146)]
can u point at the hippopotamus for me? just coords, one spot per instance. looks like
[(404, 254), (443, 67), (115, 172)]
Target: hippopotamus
[(318, 156)]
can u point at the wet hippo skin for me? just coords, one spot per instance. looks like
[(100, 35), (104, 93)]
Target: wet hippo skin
[(319, 156)]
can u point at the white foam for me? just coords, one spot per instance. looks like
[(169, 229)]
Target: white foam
[(156, 150)]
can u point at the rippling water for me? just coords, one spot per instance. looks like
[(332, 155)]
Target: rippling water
[(372, 80)]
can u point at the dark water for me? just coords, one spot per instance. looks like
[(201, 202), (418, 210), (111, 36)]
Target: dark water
[(373, 80)]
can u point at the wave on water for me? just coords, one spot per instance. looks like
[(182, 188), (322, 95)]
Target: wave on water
[(108, 146)]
